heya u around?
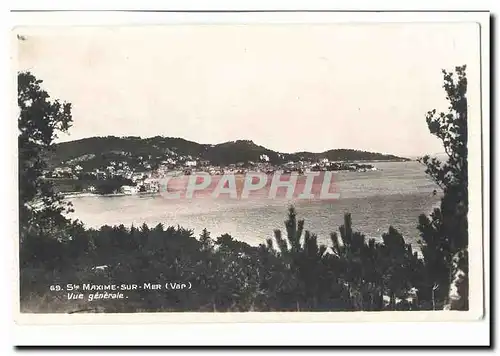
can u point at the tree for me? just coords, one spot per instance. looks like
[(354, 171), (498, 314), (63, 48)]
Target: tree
[(359, 265), (39, 122), (401, 267), (373, 270), (42, 224), (445, 232), (304, 258), (205, 240)]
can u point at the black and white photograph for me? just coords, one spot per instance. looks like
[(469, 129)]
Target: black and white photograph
[(250, 169)]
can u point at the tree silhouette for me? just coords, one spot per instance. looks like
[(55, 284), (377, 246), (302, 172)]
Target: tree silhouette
[(401, 267), (445, 233), (358, 264), (305, 259), (373, 270), (39, 122)]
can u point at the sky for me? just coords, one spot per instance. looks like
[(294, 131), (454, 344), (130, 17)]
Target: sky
[(287, 87)]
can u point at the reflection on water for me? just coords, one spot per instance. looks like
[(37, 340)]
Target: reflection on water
[(394, 195)]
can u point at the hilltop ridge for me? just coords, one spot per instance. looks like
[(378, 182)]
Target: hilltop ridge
[(96, 152)]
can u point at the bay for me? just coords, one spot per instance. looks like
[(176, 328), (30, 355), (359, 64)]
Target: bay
[(395, 194)]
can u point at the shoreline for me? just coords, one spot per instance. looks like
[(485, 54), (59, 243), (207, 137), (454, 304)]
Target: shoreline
[(240, 176), (95, 195)]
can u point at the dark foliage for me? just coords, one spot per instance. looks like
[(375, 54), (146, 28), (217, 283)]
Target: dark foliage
[(39, 121), (445, 232), (102, 186), (225, 274)]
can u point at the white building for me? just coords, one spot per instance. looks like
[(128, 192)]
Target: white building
[(128, 189), (169, 161)]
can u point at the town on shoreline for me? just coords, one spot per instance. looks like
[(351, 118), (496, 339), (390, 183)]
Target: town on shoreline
[(119, 179)]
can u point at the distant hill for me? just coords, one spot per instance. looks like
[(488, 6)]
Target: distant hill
[(351, 155), (96, 152)]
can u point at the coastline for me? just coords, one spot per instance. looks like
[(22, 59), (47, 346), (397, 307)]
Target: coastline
[(238, 175), (95, 195)]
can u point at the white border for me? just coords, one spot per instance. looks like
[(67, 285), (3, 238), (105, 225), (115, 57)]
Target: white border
[(119, 18), (133, 18), (257, 5)]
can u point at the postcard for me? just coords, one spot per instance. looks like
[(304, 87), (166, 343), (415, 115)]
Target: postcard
[(251, 171)]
